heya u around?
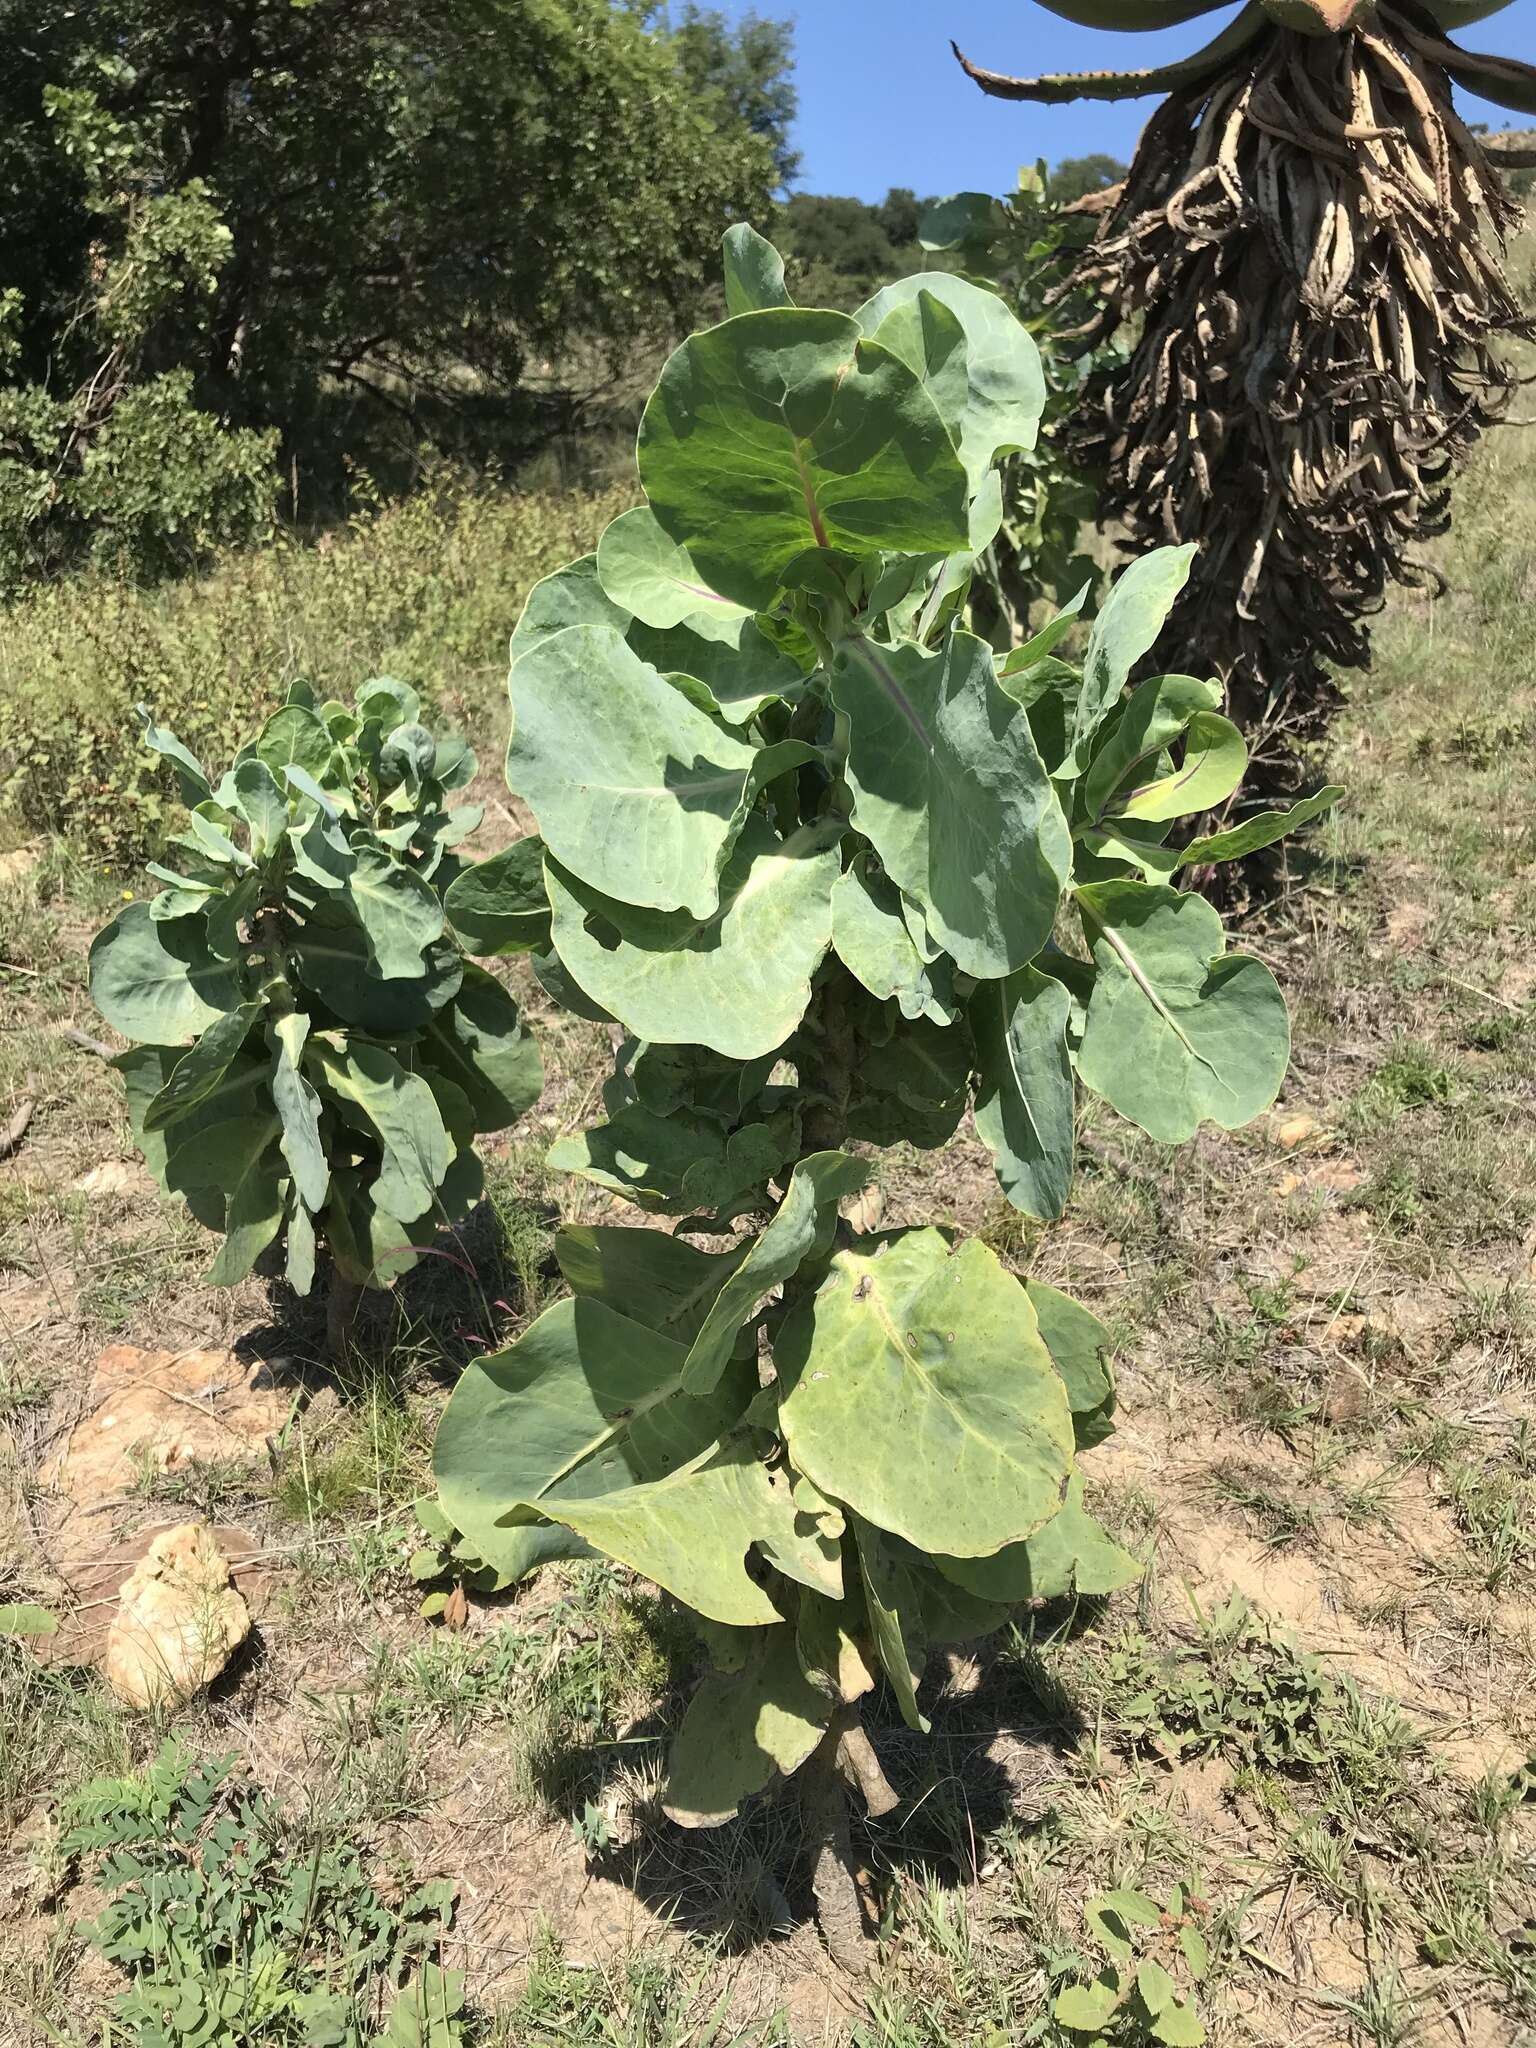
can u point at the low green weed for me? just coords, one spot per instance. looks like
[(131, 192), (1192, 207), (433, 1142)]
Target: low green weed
[(239, 1927)]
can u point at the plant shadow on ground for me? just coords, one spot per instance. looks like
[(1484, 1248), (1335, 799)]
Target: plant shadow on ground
[(1004, 1731)]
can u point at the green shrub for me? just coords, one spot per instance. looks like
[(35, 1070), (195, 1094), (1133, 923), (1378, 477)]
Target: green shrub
[(426, 588)]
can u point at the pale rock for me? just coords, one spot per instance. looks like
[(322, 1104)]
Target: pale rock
[(1295, 1131), (178, 1621)]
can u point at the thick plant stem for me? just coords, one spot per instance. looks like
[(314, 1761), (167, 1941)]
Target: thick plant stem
[(342, 1296), (835, 1874), (827, 1075)]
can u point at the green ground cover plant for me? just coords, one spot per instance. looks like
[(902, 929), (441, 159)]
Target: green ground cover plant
[(343, 1053), (814, 850)]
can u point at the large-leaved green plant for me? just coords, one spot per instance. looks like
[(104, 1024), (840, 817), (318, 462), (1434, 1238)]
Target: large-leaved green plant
[(842, 874), (314, 1056)]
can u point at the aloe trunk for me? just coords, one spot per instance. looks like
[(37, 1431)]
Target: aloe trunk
[(1309, 239)]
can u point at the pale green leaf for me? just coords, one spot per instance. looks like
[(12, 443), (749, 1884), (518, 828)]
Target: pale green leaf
[(586, 1401), (262, 804), (783, 430), (660, 1280), (1132, 616), (300, 1272), (1024, 1095), (1262, 830), (804, 1222), (1177, 1029), (741, 1730), (650, 817), (1071, 1554), (1077, 1342), (754, 271), (191, 776), (738, 981), (377, 1095), (159, 982), (1179, 2025), (921, 1394), (948, 785), (895, 1617), (1215, 758), (302, 1146), (295, 737), (572, 596), (479, 1042), (254, 1219), (1153, 717), (651, 576), (741, 675), (197, 1074), (398, 911), (21, 1619), (499, 905), (874, 941)]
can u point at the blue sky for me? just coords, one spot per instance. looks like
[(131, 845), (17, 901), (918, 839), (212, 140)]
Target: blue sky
[(883, 103)]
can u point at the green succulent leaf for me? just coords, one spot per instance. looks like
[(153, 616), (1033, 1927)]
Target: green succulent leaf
[(783, 430), (1132, 616), (572, 596), (741, 1730), (660, 1280), (479, 1043), (586, 1403), (1024, 1094), (1178, 1030), (651, 818), (754, 271), (922, 1395), (737, 981), (982, 370), (950, 788), (894, 1602), (499, 905), (1071, 1554), (197, 1074), (873, 938), (157, 981), (649, 575), (377, 1095), (803, 1224)]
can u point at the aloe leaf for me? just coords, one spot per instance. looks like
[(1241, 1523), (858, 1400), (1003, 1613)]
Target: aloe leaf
[(754, 271), (1182, 75), (1178, 1030), (922, 1395), (783, 430), (738, 981), (949, 787), (1024, 1094), (157, 981)]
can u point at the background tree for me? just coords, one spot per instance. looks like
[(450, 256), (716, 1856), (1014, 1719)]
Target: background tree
[(317, 218)]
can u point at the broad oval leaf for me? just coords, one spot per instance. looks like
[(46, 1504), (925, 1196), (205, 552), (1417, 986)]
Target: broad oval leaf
[(1071, 1554), (657, 1279), (1177, 1030), (499, 905), (782, 430), (950, 788), (754, 271), (644, 571), (586, 1401), (1024, 1094), (379, 1096), (742, 1729), (479, 1042), (572, 596), (649, 817), (738, 981), (1132, 616), (158, 981), (923, 1397)]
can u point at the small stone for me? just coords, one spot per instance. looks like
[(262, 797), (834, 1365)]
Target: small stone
[(1295, 1131), (178, 1621)]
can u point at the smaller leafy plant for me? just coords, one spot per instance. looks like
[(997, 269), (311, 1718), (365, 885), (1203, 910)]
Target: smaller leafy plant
[(1155, 1955), (315, 1056), (239, 1932), (1246, 1693), (448, 1555)]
